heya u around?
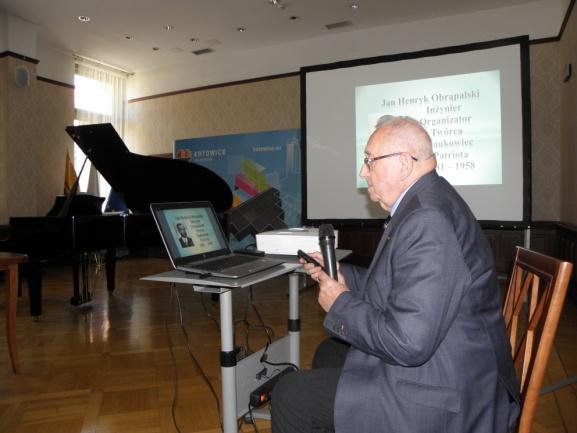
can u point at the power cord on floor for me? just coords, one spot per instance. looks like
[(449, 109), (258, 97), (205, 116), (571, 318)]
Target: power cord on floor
[(252, 420), (174, 295), (268, 330), (208, 313), (173, 361), (193, 358)]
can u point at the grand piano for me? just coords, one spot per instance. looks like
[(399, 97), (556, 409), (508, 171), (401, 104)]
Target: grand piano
[(139, 180)]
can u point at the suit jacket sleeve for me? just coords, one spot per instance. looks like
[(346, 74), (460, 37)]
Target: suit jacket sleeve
[(354, 276), (411, 294)]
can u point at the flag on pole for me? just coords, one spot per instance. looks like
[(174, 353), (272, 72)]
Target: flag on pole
[(69, 174)]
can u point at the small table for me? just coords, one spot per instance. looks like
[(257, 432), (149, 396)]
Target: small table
[(235, 396), (9, 263)]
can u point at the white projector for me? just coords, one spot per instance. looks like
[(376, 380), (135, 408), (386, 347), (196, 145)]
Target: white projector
[(289, 241)]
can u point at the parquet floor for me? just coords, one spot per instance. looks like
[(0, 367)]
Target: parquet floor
[(107, 367)]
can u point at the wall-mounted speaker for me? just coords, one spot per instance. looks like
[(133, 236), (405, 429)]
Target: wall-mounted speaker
[(22, 76)]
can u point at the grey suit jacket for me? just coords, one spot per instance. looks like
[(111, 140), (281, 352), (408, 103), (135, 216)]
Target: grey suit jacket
[(429, 352)]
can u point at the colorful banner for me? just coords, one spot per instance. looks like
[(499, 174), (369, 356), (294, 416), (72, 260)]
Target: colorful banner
[(252, 163)]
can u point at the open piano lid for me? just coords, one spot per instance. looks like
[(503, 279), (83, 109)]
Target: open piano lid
[(141, 179)]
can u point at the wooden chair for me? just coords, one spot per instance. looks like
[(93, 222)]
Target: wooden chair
[(9, 263), (532, 308)]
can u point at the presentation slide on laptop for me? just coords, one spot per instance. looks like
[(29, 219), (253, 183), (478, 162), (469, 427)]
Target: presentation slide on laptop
[(194, 231)]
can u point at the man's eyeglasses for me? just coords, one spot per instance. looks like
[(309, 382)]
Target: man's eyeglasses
[(369, 161)]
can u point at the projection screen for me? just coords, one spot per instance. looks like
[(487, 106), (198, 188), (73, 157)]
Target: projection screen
[(473, 100)]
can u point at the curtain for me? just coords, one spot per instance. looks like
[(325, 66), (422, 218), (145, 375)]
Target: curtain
[(106, 95), (100, 97)]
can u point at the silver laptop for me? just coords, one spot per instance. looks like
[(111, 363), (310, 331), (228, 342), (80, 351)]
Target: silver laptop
[(196, 243)]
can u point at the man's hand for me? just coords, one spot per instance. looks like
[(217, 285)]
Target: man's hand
[(329, 288)]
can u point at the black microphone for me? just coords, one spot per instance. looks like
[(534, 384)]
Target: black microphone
[(327, 244)]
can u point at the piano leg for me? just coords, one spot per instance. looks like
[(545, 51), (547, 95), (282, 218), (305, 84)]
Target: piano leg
[(80, 265), (81, 271), (76, 298), (110, 263)]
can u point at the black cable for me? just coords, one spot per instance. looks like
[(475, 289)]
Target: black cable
[(268, 330), (198, 366), (263, 360), (259, 317), (248, 325), (173, 360), (208, 313), (250, 408), (280, 364)]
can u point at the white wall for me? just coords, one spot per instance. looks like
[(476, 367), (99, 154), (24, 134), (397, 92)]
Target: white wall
[(19, 36), (3, 35), (540, 19), (55, 64)]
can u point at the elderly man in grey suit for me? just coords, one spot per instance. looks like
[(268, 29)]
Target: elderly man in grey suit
[(428, 348)]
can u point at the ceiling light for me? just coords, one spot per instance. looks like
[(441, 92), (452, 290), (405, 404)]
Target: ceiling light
[(241, 29), (354, 6), (203, 51), (168, 27), (84, 18), (338, 25), (278, 4)]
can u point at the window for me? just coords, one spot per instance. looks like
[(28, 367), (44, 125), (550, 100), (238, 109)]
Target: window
[(99, 97)]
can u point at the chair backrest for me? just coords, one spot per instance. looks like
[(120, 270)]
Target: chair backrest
[(532, 308)]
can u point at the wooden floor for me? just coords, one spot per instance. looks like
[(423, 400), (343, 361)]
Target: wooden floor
[(107, 367)]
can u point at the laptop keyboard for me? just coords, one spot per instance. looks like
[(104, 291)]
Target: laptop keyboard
[(226, 262)]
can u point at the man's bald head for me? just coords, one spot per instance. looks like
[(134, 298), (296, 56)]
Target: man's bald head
[(407, 135), (398, 153)]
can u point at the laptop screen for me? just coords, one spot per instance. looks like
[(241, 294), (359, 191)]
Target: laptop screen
[(190, 231)]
